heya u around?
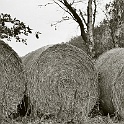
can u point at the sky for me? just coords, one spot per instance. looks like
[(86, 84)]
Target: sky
[(40, 19)]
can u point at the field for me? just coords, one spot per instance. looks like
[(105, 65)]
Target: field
[(63, 85)]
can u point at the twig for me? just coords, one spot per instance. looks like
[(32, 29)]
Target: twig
[(63, 8), (63, 19), (46, 4)]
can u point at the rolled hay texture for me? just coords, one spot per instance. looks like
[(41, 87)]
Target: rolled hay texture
[(12, 79), (29, 59), (110, 66), (63, 81)]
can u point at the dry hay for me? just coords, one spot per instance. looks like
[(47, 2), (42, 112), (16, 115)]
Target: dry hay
[(31, 57), (11, 79), (110, 66), (63, 80), (95, 120)]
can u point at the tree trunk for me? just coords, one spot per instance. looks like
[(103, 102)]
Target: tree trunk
[(81, 25), (90, 26)]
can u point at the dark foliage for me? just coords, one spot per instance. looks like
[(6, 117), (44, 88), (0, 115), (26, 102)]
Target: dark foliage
[(17, 28), (78, 42)]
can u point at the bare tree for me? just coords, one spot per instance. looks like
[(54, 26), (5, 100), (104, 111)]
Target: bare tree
[(78, 16)]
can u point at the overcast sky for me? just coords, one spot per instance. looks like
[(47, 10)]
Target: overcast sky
[(40, 19)]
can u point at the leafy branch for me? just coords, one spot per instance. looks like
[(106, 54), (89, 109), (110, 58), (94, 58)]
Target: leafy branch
[(16, 29)]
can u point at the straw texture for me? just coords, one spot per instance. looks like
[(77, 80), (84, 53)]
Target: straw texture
[(29, 59), (12, 81), (63, 80), (110, 66)]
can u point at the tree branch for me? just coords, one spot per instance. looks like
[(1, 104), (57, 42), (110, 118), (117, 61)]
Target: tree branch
[(94, 14), (46, 4), (77, 19), (63, 19), (63, 8), (83, 17)]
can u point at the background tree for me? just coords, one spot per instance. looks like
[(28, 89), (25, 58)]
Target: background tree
[(86, 25), (114, 14), (10, 28), (102, 38), (107, 35), (77, 41)]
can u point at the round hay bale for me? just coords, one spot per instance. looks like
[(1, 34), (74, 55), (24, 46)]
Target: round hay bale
[(63, 81), (29, 59), (110, 66), (12, 81)]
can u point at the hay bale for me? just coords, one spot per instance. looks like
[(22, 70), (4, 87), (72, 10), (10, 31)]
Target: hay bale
[(12, 81), (32, 56), (110, 66), (63, 81)]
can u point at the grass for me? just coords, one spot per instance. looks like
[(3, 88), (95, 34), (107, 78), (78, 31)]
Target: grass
[(43, 120)]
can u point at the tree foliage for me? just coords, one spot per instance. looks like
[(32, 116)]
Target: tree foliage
[(114, 13), (77, 41), (12, 27), (102, 40)]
